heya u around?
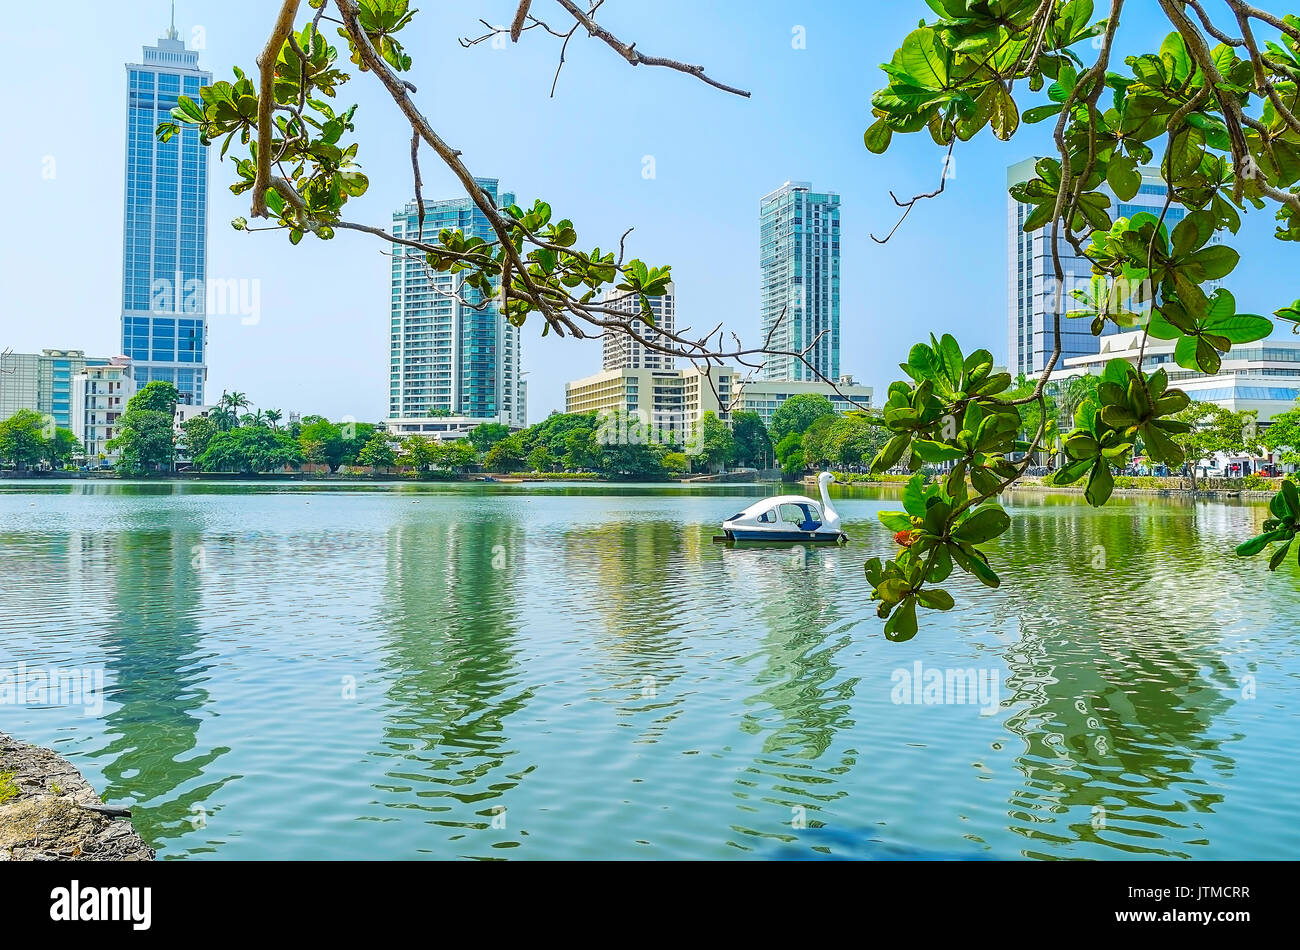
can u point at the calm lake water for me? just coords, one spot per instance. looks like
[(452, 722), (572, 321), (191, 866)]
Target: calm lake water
[(553, 671)]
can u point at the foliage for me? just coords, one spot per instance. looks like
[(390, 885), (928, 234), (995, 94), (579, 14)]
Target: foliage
[(8, 787), (145, 441), (1283, 435), (1280, 528), (62, 447), (540, 460), (790, 455), (488, 434), (196, 433), (249, 450), (715, 440), (22, 439), (752, 445), (315, 173), (378, 451), (797, 413), (156, 396), (1213, 115), (1214, 429)]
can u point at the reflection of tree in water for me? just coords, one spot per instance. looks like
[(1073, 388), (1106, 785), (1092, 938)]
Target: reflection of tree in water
[(640, 576), (451, 629), (1117, 708), (802, 699), (152, 660)]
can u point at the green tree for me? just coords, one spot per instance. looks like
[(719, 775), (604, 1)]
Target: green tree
[(797, 413), (378, 451), (417, 452), (22, 439), (676, 463), (196, 433), (716, 442), (817, 441), (157, 396), (249, 450), (145, 441), (855, 438), (1283, 436), (790, 455), (455, 456), (487, 434), (1214, 429), (62, 447), (753, 446), (507, 455), (540, 460), (322, 442)]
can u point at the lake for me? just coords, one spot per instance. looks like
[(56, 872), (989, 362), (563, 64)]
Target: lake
[(311, 671)]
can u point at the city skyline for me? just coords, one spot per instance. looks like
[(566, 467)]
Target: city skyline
[(686, 186)]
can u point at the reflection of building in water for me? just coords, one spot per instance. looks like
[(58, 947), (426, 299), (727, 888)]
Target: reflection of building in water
[(802, 697), (156, 668), (1115, 711), (642, 596), (451, 632)]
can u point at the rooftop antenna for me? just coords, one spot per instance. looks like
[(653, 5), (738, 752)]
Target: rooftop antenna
[(171, 33)]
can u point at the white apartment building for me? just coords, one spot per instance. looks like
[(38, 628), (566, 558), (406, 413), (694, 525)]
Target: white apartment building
[(99, 398), (625, 350)]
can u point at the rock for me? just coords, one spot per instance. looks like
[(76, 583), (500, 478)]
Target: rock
[(50, 812)]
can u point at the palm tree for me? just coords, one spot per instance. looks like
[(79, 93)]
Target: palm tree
[(273, 417), (224, 418), (235, 401)]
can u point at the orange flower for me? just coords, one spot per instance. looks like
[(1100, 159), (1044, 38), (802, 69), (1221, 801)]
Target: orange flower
[(904, 538)]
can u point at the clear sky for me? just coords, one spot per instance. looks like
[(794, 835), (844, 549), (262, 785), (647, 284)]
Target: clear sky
[(322, 341)]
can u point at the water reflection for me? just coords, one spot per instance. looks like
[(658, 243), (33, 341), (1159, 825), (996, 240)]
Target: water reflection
[(451, 654), (157, 668), (644, 570), (1116, 709), (800, 699)]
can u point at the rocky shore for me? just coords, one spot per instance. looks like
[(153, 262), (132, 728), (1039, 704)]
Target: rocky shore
[(49, 812)]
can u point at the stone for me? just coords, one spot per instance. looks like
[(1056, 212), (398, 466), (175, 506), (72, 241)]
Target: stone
[(56, 815)]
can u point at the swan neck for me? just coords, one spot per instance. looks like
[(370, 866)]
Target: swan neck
[(827, 507)]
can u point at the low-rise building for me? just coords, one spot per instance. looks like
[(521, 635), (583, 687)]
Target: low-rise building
[(99, 397), (765, 396), (671, 401)]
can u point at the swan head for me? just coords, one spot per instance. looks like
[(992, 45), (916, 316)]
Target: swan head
[(825, 478)]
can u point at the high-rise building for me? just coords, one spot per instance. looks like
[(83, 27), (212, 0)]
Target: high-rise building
[(799, 253), (454, 358), (42, 382), (165, 231), (623, 350), (1031, 276)]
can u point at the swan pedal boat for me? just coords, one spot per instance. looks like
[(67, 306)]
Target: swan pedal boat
[(794, 518)]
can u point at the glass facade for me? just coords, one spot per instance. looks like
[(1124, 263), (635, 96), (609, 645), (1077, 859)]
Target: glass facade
[(1031, 278), (451, 352), (164, 246), (799, 254)]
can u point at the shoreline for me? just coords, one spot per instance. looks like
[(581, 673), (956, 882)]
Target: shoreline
[(50, 812)]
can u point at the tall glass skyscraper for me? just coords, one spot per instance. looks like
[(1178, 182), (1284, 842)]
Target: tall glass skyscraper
[(165, 232), (799, 253), (451, 365), (1031, 276)]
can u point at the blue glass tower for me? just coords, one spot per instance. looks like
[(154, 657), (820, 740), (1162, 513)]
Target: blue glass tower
[(165, 232)]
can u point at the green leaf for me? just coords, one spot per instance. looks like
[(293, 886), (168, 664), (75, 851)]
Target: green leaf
[(1123, 177), (878, 137), (901, 625), (984, 525), (935, 599), (895, 520), (1100, 484)]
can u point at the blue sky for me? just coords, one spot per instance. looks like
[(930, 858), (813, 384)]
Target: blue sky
[(322, 341)]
